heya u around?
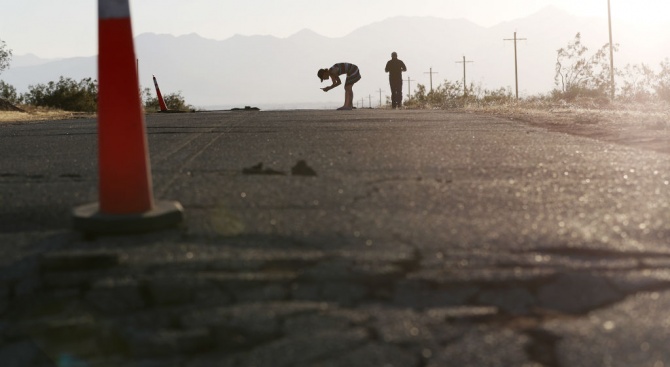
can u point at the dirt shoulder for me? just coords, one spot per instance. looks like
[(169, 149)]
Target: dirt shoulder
[(39, 115), (645, 127), (10, 113)]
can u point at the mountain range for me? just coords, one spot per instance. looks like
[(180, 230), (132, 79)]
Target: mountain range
[(271, 72)]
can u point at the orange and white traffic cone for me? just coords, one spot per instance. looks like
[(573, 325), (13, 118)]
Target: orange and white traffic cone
[(126, 196), (161, 101)]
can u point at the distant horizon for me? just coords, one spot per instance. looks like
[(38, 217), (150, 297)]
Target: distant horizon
[(223, 74), (293, 34), (220, 20), (546, 8)]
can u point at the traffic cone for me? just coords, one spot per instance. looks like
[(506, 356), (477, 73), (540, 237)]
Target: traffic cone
[(161, 102), (125, 189)]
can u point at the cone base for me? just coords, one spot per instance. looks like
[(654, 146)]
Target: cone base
[(89, 219)]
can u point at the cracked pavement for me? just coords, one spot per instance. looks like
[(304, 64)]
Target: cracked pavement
[(407, 238)]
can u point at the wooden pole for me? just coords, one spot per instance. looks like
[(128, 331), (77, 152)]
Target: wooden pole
[(431, 78), (609, 17), (465, 84), (516, 65)]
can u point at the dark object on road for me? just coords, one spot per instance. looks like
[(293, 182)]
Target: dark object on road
[(302, 169), (258, 170), (172, 111), (246, 108)]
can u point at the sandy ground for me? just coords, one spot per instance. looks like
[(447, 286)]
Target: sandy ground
[(40, 115), (645, 127)]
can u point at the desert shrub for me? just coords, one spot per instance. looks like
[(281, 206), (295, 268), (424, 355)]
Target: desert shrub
[(5, 56), (418, 100), (450, 94), (500, 96), (662, 82), (579, 74), (8, 93), (66, 94), (637, 83), (576, 93), (173, 101), (445, 95)]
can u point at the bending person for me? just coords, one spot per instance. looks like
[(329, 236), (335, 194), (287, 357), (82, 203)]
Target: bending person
[(353, 75)]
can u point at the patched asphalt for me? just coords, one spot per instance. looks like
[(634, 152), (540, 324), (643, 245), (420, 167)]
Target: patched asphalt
[(340, 238)]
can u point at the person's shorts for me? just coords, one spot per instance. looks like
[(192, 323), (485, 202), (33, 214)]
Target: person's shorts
[(353, 76)]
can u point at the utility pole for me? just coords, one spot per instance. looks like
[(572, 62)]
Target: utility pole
[(609, 17), (137, 71), (370, 100), (380, 97), (516, 68), (409, 88), (431, 78), (465, 84)]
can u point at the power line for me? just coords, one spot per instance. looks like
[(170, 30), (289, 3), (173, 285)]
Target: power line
[(431, 78), (516, 69), (465, 84), (609, 17)]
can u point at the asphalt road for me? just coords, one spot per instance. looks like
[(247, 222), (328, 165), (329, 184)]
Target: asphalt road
[(405, 238)]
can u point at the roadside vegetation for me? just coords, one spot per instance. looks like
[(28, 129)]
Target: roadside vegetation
[(65, 98), (78, 96), (173, 101), (582, 79)]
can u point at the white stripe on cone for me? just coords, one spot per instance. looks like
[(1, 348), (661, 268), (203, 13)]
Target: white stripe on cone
[(111, 9)]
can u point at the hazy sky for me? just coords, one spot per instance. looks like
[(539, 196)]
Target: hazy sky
[(67, 28)]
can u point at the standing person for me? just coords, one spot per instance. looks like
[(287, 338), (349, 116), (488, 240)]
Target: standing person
[(353, 75), (395, 67)]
